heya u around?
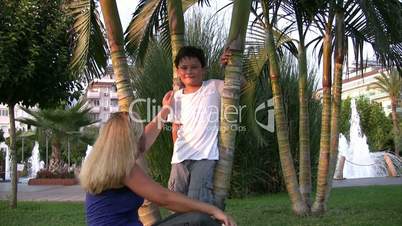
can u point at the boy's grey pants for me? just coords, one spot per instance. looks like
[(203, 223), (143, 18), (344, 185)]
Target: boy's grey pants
[(193, 178)]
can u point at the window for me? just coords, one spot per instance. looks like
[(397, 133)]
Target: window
[(4, 112), (113, 103), (114, 88), (94, 116), (96, 102)]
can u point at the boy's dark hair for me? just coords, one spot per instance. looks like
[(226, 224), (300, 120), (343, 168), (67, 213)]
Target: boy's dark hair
[(190, 51)]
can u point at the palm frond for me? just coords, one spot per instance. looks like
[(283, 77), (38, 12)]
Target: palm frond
[(257, 47), (87, 38), (59, 121), (150, 22), (390, 83), (382, 30), (143, 27)]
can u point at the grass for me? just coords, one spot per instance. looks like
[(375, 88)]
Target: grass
[(374, 205)]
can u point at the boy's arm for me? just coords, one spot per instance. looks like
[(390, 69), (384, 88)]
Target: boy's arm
[(175, 128)]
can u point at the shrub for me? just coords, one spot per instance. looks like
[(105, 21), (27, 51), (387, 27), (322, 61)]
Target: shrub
[(62, 173)]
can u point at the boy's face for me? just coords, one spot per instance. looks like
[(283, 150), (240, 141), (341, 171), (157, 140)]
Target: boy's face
[(190, 71)]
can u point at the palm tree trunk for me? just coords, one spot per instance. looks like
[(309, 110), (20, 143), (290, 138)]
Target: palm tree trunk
[(323, 164), (230, 101), (282, 131), (13, 157), (304, 128), (339, 58), (395, 123), (299, 207), (124, 89), (119, 60), (55, 159), (176, 28)]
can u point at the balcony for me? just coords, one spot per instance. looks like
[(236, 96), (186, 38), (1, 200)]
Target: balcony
[(380, 95), (113, 95), (95, 109), (93, 95)]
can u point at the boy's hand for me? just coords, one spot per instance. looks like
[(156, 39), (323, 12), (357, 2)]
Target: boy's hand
[(225, 56), (167, 100)]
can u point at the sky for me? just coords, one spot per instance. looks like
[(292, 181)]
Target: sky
[(127, 7)]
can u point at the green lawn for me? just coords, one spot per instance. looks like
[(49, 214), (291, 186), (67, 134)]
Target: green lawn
[(375, 205)]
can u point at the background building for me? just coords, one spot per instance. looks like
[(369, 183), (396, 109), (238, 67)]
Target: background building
[(100, 94), (362, 83), (101, 97)]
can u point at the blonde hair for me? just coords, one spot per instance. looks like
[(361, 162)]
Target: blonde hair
[(113, 155)]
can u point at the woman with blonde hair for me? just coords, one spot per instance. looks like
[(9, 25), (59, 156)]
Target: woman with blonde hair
[(116, 186)]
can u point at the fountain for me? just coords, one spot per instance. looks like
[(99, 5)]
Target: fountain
[(355, 157), (35, 161), (8, 172)]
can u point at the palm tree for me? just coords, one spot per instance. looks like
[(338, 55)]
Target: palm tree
[(272, 41), (176, 27), (230, 99), (58, 123), (361, 21), (323, 164), (339, 56), (322, 15), (90, 49), (88, 56), (2, 139), (304, 13), (391, 84), (162, 18), (282, 131)]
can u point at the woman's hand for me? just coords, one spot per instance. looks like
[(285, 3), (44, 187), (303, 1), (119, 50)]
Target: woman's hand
[(224, 218), (167, 106), (167, 100), (225, 56)]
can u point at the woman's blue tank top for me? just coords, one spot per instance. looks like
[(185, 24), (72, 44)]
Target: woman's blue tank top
[(113, 207)]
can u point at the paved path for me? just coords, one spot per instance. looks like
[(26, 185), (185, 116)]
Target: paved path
[(367, 182), (44, 193), (75, 193)]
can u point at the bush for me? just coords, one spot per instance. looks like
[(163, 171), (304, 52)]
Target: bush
[(60, 174)]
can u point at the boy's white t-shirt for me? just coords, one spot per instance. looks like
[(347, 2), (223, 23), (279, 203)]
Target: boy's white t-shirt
[(198, 114)]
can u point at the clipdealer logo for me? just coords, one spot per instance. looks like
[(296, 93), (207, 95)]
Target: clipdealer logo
[(269, 106), (152, 109)]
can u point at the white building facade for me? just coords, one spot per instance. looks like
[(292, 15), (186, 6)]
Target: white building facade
[(362, 83), (101, 97)]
